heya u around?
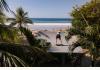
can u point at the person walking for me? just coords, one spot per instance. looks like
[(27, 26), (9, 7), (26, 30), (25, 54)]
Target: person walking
[(58, 38)]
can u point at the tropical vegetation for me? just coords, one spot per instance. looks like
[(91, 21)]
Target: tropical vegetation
[(86, 25), (12, 52)]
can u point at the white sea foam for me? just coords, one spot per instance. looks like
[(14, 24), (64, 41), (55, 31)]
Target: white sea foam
[(52, 24)]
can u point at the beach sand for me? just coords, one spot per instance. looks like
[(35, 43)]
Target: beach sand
[(49, 26)]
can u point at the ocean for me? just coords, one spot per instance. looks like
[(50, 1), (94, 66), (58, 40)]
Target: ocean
[(51, 20), (50, 23)]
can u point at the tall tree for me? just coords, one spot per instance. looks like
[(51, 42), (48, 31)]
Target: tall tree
[(21, 18)]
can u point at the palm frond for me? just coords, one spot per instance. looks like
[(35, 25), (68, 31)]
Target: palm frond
[(31, 56), (42, 33), (4, 6), (27, 20), (21, 18), (9, 60)]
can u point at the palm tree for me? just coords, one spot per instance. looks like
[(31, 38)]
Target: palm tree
[(21, 18)]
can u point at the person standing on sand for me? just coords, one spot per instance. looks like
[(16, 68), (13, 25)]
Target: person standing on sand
[(58, 37)]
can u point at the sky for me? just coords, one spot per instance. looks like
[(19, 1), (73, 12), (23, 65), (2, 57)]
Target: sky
[(45, 8)]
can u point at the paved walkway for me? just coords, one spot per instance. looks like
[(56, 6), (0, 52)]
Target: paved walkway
[(55, 48), (59, 49)]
